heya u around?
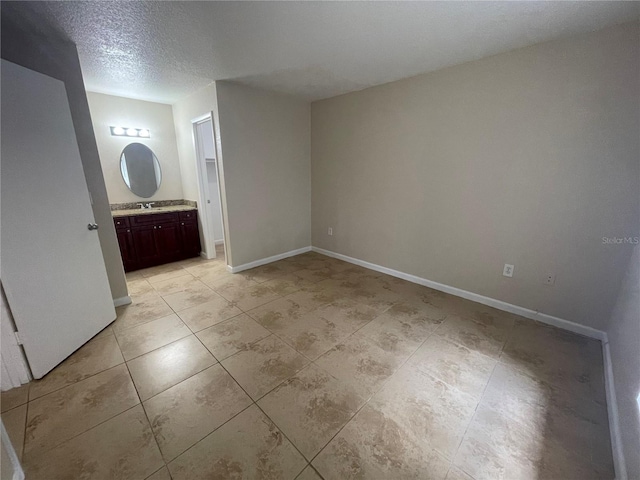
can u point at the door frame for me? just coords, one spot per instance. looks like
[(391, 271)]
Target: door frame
[(15, 369), (208, 237)]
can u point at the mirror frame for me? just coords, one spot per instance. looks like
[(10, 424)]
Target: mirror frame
[(156, 161)]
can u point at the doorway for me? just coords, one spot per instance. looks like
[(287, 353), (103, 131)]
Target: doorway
[(209, 187)]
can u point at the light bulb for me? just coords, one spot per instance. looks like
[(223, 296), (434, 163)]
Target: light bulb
[(143, 132), (118, 130), (132, 132)]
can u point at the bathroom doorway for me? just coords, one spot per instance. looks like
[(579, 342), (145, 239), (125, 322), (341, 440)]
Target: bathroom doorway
[(210, 204)]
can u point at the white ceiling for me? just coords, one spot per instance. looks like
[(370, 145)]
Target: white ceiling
[(163, 51)]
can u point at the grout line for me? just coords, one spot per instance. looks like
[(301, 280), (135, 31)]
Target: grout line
[(403, 297), (195, 332), (207, 435), (253, 402), (163, 466), (141, 404), (368, 400), (24, 438), (43, 452)]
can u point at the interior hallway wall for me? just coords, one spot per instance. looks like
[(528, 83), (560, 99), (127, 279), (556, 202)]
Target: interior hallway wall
[(266, 156), (529, 157), (263, 150), (196, 105)]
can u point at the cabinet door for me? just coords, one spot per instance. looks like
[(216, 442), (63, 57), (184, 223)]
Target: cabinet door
[(145, 244), (127, 250), (190, 239), (168, 241)]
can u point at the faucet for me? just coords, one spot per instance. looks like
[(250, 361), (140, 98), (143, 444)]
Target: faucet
[(148, 205)]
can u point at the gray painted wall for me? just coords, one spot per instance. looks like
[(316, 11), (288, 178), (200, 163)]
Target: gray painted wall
[(528, 157), (624, 344), (265, 145)]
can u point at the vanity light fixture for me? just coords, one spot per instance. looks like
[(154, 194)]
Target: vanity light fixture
[(130, 132)]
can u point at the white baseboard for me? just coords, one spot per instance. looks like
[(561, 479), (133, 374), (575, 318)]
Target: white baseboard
[(492, 302), (118, 302), (264, 261), (619, 462), (612, 405)]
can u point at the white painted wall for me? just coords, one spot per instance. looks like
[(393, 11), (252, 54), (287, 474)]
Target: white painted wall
[(528, 157), (263, 151), (200, 103), (266, 156), (196, 105), (624, 345), (108, 110)]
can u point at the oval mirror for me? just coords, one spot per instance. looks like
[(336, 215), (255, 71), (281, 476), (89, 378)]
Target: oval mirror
[(140, 170)]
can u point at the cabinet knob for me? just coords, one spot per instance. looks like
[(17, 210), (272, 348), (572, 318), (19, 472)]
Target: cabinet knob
[(154, 227), (128, 231), (159, 226), (182, 223)]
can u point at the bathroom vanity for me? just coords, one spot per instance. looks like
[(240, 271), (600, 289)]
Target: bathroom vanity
[(149, 237)]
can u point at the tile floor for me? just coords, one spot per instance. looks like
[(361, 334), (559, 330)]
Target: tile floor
[(313, 368)]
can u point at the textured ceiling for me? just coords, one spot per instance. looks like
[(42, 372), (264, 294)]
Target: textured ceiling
[(163, 51)]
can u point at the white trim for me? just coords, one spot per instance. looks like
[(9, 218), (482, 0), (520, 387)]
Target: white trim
[(619, 462), (492, 302), (219, 242), (202, 118), (612, 405), (118, 302), (264, 261), (201, 174), (16, 468), (14, 366), (207, 234)]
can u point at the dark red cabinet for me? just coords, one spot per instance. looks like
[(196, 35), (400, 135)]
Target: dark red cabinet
[(191, 237), (155, 238), (144, 244), (125, 240)]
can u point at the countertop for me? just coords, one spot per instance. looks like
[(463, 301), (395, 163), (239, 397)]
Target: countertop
[(149, 211)]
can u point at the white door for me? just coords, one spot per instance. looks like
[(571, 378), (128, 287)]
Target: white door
[(213, 201), (52, 267), (208, 186)]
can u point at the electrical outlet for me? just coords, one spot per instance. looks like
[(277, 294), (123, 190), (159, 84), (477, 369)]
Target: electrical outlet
[(550, 279), (507, 271), (330, 232)]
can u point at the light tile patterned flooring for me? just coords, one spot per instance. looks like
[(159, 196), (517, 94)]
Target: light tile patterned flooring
[(313, 368)]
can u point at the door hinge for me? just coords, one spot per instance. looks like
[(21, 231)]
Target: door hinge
[(18, 339)]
